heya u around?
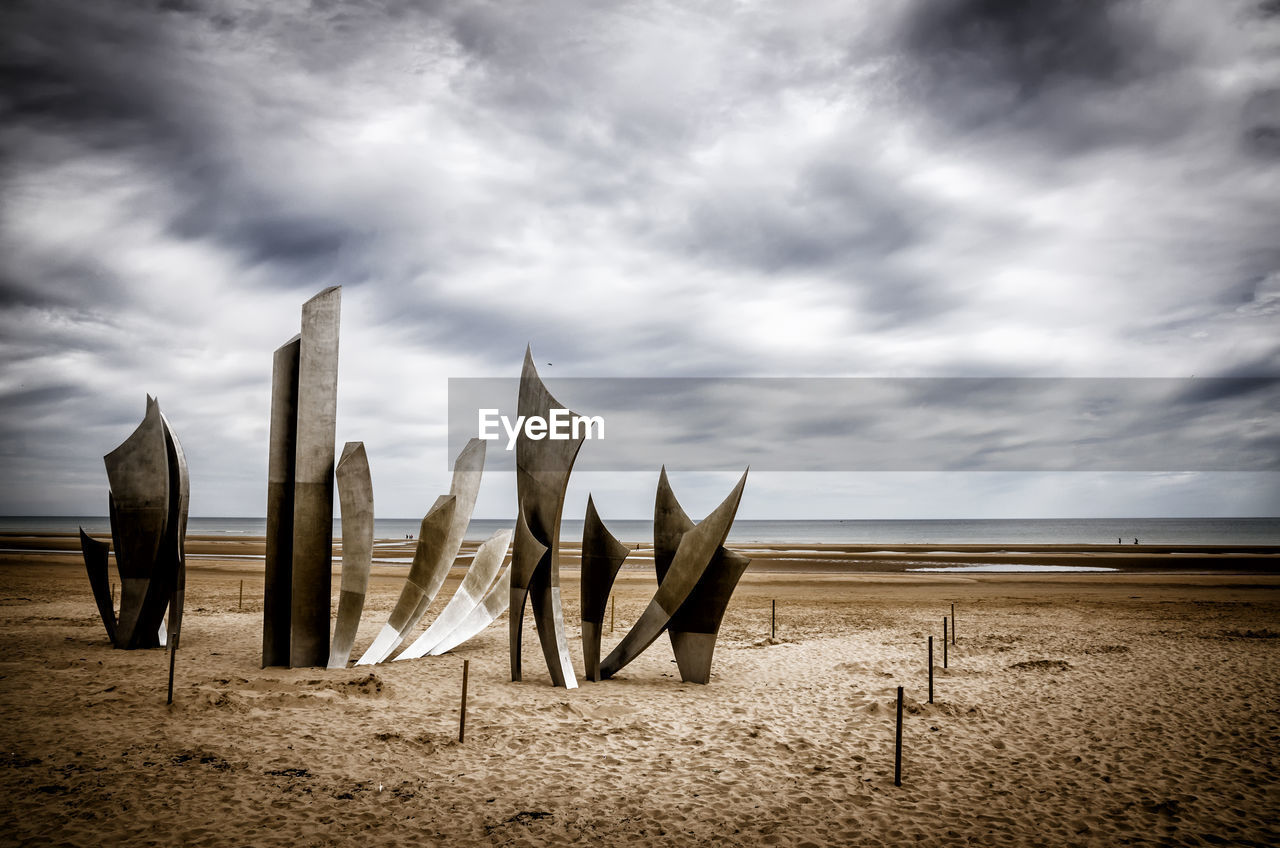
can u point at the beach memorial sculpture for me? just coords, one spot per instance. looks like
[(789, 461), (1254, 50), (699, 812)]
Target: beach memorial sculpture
[(543, 467), (439, 539), (355, 497), (485, 613), (432, 532), (148, 498), (475, 584), (299, 554), (97, 564), (696, 624), (602, 556), (683, 564)]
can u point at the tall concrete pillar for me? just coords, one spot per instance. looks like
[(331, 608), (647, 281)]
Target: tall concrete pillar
[(313, 481), (278, 590)]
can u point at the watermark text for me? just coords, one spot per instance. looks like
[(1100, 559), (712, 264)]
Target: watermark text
[(562, 425)]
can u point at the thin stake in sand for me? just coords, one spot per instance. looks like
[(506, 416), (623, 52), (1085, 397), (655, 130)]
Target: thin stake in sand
[(773, 621), (931, 669), (240, 605), (944, 641), (462, 716), (897, 745), (173, 653)]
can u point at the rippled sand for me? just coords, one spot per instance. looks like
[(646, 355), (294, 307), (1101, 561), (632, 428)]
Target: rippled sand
[(1098, 709)]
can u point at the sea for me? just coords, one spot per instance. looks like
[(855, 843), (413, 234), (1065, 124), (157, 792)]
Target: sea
[(1037, 531)]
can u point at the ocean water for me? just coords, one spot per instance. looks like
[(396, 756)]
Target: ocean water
[(1045, 531)]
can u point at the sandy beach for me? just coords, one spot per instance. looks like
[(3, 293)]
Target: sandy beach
[(1128, 708)]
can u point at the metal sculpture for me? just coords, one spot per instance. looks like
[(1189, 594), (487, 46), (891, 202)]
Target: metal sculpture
[(299, 562), (485, 613), (312, 578), (602, 556), (95, 562), (149, 492), (694, 627), (437, 549), (422, 583), (355, 496), (542, 474), (278, 581), (470, 592), (694, 553)]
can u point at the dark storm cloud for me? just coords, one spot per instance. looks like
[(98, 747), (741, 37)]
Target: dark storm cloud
[(1049, 67), (306, 243), (1078, 76), (832, 214), (48, 394), (88, 68), (1262, 122), (1034, 44), (127, 79), (1226, 388)]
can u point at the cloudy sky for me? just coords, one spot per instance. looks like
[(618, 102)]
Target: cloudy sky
[(909, 188)]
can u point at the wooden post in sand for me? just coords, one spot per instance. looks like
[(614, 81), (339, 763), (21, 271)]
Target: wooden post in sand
[(240, 605), (897, 745), (462, 717), (931, 669), (173, 653), (944, 641), (773, 621)]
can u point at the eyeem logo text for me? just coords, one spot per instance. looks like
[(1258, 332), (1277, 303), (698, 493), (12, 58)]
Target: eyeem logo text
[(562, 426)]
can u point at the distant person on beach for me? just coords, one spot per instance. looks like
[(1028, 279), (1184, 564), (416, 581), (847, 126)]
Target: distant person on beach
[(1135, 540)]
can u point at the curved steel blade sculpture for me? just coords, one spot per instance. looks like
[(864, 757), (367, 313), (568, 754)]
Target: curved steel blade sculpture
[(694, 627), (693, 554), (422, 583), (602, 556), (355, 496), (138, 475), (493, 605), (95, 562), (149, 492), (526, 553), (435, 555), (542, 475), (176, 532), (477, 582)]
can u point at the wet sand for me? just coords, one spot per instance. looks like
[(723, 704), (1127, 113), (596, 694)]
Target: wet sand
[(1076, 709), (801, 557)]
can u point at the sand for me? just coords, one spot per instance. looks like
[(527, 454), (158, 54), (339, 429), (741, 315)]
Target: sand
[(1098, 709)]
